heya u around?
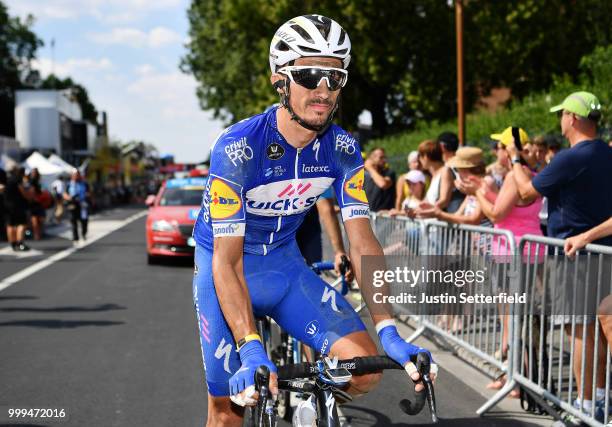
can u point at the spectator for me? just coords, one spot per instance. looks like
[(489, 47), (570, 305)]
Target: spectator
[(500, 167), (37, 210), (441, 186), (16, 204), (573, 182), (379, 181), (77, 195), (553, 148), (416, 181), (58, 187), (469, 164), (3, 179), (402, 187), (449, 143), (506, 210), (540, 149)]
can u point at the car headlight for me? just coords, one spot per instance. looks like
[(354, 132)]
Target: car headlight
[(163, 225)]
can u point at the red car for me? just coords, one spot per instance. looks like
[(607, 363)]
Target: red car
[(172, 215)]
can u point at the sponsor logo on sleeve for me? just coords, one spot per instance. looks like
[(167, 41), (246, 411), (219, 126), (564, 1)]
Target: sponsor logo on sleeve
[(275, 151), (345, 144), (224, 202), (353, 188), (228, 229), (239, 151)]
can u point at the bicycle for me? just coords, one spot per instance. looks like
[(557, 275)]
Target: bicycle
[(283, 349), (323, 379)]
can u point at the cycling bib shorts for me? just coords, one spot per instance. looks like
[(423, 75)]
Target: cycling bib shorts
[(282, 287)]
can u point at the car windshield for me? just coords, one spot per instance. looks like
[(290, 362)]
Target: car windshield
[(181, 196)]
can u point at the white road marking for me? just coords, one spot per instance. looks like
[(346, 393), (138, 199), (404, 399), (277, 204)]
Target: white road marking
[(8, 251), (99, 229)]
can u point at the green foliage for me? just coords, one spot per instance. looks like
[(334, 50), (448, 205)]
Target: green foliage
[(18, 45), (530, 113), (78, 91), (403, 66)]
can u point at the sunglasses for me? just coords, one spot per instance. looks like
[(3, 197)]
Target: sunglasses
[(311, 77)]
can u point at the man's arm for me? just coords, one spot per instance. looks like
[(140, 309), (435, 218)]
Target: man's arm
[(231, 288), (328, 217), (381, 181), (362, 243), (574, 243)]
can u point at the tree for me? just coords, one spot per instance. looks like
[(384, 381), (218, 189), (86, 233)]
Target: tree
[(403, 65), (18, 45), (78, 91)]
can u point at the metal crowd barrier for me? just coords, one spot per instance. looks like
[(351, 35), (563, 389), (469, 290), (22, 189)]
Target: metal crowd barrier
[(555, 361), (527, 342)]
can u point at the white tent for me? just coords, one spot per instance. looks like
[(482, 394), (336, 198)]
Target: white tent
[(58, 161), (7, 163), (48, 171)]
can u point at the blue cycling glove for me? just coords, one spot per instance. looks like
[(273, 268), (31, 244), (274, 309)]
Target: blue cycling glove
[(252, 356), (399, 350)]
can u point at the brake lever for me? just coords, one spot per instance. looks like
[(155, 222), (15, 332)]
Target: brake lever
[(427, 394), (345, 264), (265, 403)]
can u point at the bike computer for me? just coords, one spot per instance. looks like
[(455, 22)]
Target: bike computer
[(338, 375)]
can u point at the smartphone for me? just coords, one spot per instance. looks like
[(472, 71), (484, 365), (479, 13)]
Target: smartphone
[(517, 138)]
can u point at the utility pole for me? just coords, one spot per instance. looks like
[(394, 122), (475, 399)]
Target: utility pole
[(460, 97)]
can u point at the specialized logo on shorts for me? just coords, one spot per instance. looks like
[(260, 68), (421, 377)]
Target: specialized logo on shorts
[(275, 151), (239, 151), (224, 351), (286, 197), (353, 188), (312, 328), (330, 295), (345, 144), (224, 202)]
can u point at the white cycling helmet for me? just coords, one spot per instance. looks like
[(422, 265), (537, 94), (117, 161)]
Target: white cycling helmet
[(309, 35)]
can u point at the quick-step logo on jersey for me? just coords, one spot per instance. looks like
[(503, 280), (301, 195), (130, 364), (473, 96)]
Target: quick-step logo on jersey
[(224, 202), (286, 197)]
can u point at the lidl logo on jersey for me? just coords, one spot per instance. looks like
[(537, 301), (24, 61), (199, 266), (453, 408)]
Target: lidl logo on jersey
[(223, 201), (353, 188), (286, 197), (239, 151), (346, 144)]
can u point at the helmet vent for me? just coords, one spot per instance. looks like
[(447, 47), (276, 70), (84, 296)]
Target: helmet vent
[(302, 32), (340, 52), (309, 50), (342, 37), (282, 46)]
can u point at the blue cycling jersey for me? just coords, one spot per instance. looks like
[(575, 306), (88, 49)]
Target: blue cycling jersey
[(260, 187)]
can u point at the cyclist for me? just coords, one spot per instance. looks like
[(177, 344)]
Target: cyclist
[(266, 172)]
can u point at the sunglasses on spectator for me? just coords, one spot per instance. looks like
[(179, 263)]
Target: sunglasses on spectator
[(311, 77)]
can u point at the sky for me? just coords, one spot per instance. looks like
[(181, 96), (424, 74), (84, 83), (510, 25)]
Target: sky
[(126, 53)]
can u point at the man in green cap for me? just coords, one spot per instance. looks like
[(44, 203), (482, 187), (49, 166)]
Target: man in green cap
[(577, 184)]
